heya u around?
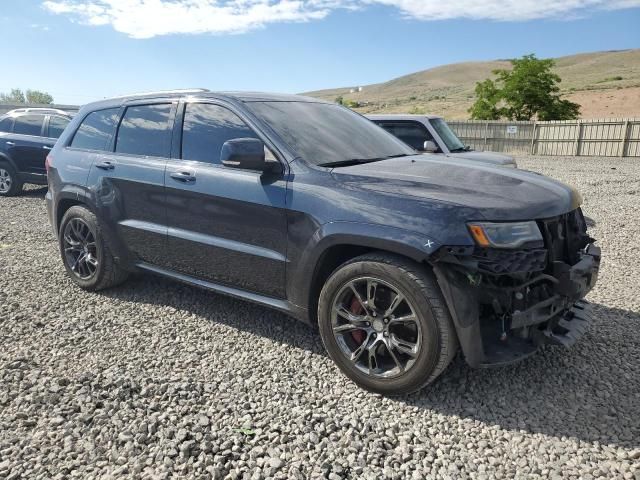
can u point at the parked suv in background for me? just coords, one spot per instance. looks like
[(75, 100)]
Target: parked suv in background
[(309, 208), (26, 137), (431, 134)]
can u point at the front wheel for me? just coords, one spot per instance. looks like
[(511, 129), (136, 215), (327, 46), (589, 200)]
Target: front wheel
[(384, 322)]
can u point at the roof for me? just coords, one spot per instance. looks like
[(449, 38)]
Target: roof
[(401, 116), (204, 93)]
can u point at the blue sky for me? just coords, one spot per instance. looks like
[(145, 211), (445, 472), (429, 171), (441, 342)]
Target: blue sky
[(82, 50)]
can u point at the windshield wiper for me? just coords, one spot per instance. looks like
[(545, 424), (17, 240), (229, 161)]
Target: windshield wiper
[(359, 161)]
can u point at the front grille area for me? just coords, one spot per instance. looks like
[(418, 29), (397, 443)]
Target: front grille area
[(500, 262), (565, 236)]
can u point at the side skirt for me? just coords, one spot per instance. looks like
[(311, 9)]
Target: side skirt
[(281, 305)]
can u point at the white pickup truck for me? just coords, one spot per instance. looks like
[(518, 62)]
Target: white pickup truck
[(431, 134)]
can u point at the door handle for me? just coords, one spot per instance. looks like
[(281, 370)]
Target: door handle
[(46, 147), (105, 165), (10, 143), (183, 176)]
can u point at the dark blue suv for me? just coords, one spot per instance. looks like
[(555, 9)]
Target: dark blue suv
[(309, 208), (26, 137)]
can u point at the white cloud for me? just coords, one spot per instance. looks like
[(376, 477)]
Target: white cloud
[(150, 18)]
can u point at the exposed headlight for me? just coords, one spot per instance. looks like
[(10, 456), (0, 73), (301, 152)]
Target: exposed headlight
[(504, 235)]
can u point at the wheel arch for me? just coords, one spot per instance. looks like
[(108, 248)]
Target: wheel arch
[(4, 158), (342, 241)]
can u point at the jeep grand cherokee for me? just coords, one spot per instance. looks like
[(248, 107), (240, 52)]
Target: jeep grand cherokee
[(309, 208)]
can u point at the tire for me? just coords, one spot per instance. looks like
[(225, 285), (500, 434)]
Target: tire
[(10, 184), (101, 270), (432, 332)]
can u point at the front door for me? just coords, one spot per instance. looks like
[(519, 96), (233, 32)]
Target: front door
[(225, 225)]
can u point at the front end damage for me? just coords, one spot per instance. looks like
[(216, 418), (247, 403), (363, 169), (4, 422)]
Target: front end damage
[(505, 303)]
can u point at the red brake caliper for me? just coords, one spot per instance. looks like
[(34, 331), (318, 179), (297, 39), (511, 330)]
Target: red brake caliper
[(356, 309)]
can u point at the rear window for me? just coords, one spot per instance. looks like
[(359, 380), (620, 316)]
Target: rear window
[(57, 126), (145, 130), (28, 125), (96, 129)]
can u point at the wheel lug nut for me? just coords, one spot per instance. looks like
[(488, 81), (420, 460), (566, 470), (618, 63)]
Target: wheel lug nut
[(386, 334), (386, 320), (373, 314)]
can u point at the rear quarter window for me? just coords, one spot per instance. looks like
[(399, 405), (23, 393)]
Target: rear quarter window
[(6, 124), (96, 129)]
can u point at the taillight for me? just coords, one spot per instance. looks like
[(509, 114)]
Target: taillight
[(48, 163)]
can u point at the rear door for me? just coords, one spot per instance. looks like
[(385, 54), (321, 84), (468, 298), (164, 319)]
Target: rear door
[(28, 147), (130, 179), (226, 225)]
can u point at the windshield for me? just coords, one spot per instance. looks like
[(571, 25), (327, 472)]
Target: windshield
[(323, 133), (453, 143)]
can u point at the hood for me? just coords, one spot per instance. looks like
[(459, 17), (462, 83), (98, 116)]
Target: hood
[(492, 192), (486, 157)]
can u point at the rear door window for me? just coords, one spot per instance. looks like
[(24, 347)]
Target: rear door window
[(412, 133), (145, 130), (205, 129), (28, 125), (96, 129), (57, 126)]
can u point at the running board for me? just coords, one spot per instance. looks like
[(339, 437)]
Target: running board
[(275, 303)]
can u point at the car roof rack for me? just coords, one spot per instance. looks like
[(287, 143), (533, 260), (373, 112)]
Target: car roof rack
[(164, 92), (36, 109)]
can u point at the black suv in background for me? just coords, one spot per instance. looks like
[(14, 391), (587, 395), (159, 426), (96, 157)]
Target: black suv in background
[(309, 208), (26, 137)]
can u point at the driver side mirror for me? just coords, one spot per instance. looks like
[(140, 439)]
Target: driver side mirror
[(247, 154), (430, 147)]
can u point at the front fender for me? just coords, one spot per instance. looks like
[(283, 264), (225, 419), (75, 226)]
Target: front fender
[(418, 247)]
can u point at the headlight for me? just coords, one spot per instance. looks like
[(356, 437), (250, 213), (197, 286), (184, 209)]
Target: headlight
[(504, 235)]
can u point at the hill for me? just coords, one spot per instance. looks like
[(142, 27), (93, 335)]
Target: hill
[(605, 84)]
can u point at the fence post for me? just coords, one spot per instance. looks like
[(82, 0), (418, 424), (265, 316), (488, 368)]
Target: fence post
[(486, 133), (576, 150), (625, 139), (533, 137)]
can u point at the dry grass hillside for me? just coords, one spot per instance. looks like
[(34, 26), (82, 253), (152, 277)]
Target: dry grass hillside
[(605, 84)]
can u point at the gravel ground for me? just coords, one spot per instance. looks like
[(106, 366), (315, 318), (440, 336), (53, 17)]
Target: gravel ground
[(155, 379)]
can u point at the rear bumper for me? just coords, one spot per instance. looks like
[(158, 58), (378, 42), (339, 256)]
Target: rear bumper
[(493, 327)]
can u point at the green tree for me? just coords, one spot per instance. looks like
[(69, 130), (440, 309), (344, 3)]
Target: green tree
[(15, 96), (36, 96), (488, 96), (529, 90)]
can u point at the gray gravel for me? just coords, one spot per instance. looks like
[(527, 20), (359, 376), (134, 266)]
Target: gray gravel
[(155, 379)]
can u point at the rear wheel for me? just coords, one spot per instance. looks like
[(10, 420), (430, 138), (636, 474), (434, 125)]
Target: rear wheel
[(9, 182), (85, 252), (384, 322)]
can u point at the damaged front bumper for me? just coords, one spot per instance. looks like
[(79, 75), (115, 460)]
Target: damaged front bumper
[(504, 317)]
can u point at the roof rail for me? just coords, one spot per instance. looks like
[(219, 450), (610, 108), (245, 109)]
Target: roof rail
[(37, 109), (163, 92)]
